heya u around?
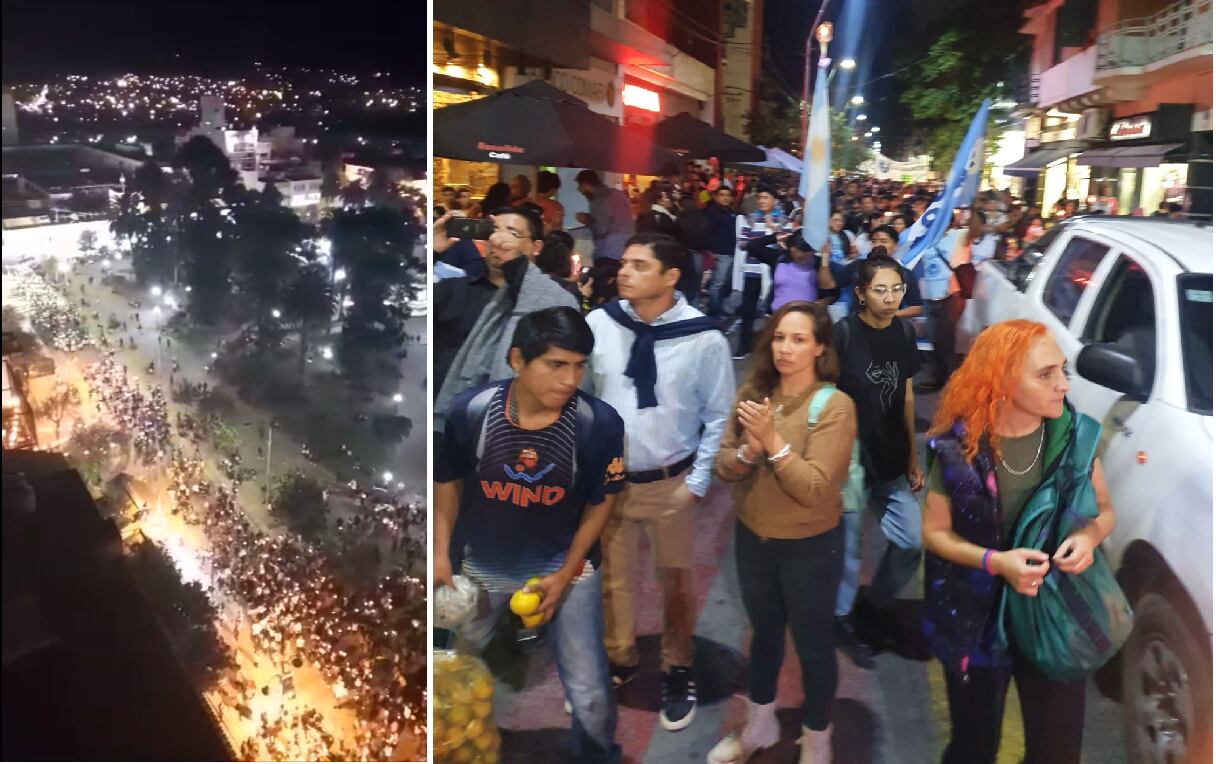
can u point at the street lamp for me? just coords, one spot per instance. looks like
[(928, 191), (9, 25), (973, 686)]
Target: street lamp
[(848, 64), (388, 477), (858, 99), (276, 313), (862, 118), (822, 33), (156, 291)]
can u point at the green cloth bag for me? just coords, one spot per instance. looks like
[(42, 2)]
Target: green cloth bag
[(1077, 622), (853, 493)]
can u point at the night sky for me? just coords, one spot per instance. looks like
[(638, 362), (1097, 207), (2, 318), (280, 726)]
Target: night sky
[(213, 37)]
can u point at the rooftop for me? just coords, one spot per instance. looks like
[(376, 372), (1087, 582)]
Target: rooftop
[(59, 168)]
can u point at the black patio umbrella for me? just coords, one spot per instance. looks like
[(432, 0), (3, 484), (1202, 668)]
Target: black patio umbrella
[(537, 124), (693, 139)]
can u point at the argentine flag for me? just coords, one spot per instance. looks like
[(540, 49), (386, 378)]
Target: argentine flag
[(960, 189), (817, 166)]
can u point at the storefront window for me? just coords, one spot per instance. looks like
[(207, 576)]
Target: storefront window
[(1055, 183), (1127, 190), (1173, 186), (1078, 180), (1153, 189)]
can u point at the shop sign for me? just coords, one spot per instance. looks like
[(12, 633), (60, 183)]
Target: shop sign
[(640, 98), (573, 82), (495, 151), (1131, 128)]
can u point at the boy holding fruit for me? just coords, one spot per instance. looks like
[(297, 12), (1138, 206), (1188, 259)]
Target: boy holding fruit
[(531, 465)]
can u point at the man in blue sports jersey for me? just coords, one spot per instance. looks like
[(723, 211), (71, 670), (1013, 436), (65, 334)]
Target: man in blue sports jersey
[(532, 465)]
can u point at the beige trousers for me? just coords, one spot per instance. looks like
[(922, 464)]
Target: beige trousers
[(663, 510)]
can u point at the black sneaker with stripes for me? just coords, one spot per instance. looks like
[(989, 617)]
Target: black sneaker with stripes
[(679, 698)]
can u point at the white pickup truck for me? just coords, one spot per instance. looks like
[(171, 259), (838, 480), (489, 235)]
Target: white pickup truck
[(1130, 302)]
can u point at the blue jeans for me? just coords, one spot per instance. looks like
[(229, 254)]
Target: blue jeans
[(718, 289), (850, 526), (899, 517), (577, 636)]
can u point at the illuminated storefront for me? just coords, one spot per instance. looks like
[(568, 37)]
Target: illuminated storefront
[(1145, 160), (462, 69)]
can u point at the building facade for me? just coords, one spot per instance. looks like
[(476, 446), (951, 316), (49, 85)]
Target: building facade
[(1120, 103), (633, 61)]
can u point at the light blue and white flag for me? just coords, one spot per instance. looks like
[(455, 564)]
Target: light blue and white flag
[(817, 166), (961, 186)]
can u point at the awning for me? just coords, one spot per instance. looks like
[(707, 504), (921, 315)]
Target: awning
[(1149, 155), (1030, 165)]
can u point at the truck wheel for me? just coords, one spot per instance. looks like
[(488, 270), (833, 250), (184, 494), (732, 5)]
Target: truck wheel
[(1167, 688)]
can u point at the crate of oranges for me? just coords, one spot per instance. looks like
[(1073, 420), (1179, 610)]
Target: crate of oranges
[(464, 730)]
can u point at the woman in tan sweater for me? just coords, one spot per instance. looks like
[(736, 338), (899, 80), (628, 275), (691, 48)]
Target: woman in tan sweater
[(788, 543)]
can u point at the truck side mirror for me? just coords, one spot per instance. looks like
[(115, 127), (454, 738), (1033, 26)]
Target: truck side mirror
[(1105, 364)]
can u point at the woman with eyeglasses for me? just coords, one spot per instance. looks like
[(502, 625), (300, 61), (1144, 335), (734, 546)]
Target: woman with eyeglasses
[(878, 358)]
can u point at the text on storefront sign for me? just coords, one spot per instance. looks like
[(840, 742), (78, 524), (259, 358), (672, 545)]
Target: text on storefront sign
[(1130, 128)]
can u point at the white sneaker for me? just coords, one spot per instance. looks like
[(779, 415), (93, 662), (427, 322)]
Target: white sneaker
[(816, 746), (761, 731)]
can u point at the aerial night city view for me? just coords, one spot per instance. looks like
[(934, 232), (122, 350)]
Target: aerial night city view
[(214, 305)]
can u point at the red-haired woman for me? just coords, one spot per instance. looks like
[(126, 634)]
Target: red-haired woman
[(1002, 433)]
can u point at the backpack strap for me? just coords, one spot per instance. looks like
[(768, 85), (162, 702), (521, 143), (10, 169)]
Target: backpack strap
[(845, 334), (818, 402), (475, 419)]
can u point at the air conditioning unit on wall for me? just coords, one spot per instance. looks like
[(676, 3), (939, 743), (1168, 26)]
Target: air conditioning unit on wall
[(1093, 123)]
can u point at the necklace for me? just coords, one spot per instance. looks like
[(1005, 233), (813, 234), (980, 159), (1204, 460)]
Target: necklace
[(1012, 471)]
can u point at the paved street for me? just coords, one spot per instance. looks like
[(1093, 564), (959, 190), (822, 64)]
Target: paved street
[(894, 714)]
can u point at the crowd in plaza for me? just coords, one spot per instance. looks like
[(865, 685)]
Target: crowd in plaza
[(143, 414), (366, 643), (577, 411), (54, 318)]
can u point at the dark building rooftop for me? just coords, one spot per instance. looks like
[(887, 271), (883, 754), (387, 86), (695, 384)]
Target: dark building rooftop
[(88, 671)]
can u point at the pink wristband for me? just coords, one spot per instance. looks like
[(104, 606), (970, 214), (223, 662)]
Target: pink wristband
[(987, 555)]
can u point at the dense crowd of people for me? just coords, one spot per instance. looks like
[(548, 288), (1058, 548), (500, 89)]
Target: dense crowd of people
[(143, 414), (368, 643), (56, 320), (572, 422)]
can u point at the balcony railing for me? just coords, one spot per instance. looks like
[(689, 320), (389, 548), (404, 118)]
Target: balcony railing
[(1183, 26)]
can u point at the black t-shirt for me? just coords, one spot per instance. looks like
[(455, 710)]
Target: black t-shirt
[(874, 370)]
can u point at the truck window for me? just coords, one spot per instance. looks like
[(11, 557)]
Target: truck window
[(1125, 315), (1072, 275)]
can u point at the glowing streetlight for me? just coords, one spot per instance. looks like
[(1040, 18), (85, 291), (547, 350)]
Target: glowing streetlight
[(398, 397), (276, 313), (388, 476), (848, 64), (157, 291), (862, 118), (823, 33), (340, 274), (858, 99), (327, 353)]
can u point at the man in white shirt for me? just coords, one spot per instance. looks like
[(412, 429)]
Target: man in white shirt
[(666, 369)]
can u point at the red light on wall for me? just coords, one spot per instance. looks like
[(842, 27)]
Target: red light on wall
[(640, 98)]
